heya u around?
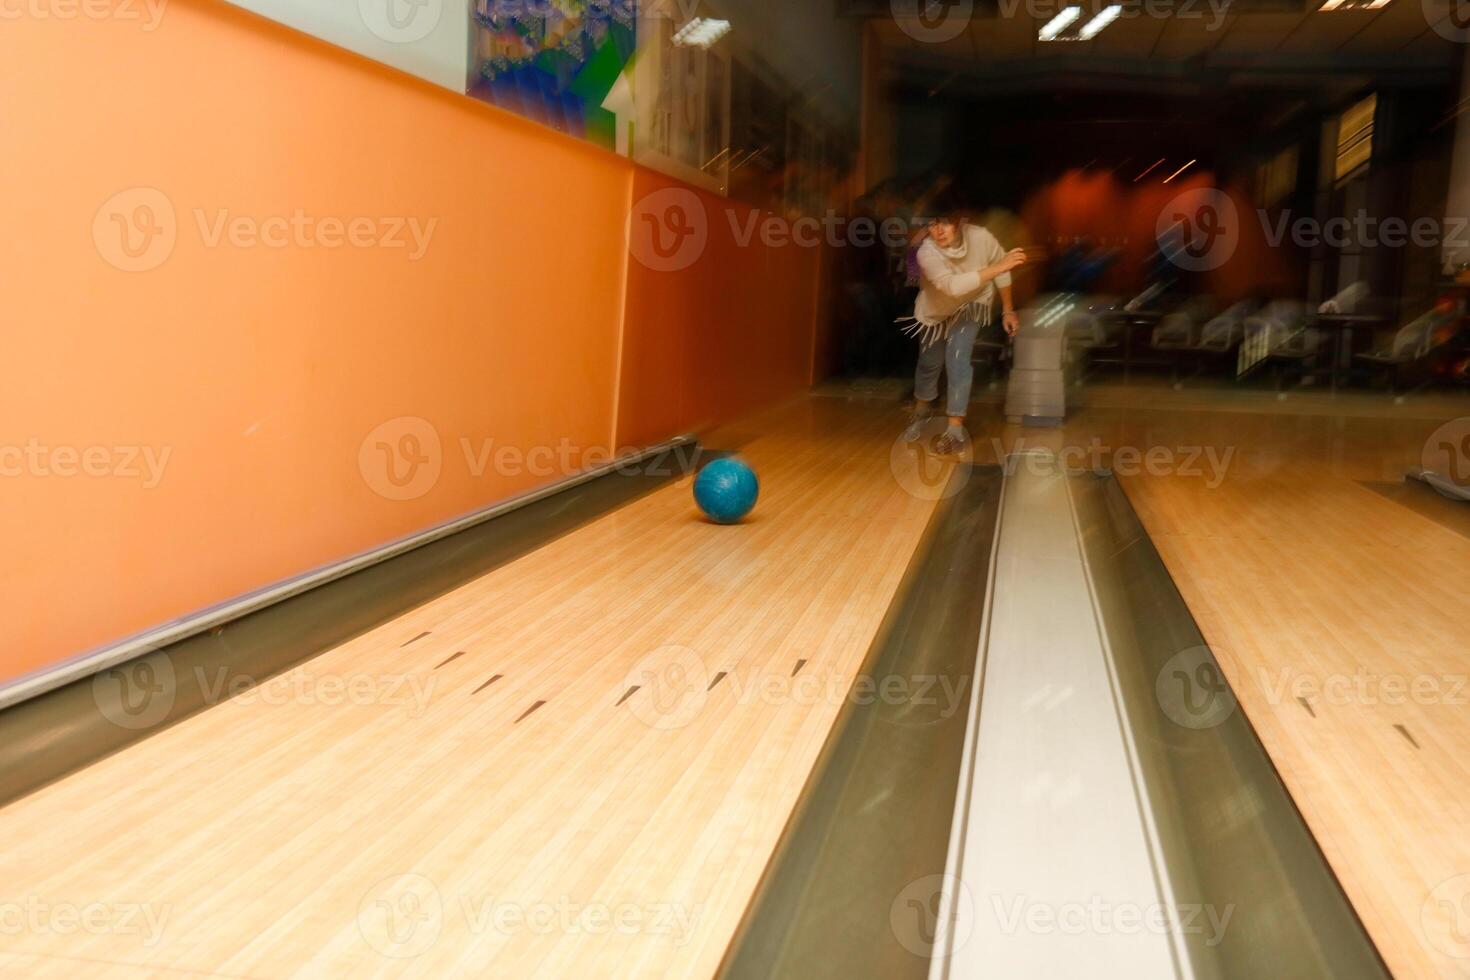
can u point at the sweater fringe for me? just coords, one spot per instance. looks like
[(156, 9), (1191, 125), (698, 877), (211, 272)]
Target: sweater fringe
[(931, 332)]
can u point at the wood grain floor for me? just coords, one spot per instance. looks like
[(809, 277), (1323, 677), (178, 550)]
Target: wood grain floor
[(1342, 620), (435, 827), (381, 810)]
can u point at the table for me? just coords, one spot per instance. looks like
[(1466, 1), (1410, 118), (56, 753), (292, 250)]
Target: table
[(1341, 326)]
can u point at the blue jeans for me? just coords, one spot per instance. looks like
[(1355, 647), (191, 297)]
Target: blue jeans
[(951, 355)]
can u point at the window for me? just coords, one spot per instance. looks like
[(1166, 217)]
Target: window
[(1355, 137)]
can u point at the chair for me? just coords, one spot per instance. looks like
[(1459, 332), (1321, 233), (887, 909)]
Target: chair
[(1091, 327), (1178, 333), (1218, 339), (1412, 343), (1281, 330), (1180, 330), (1223, 334)]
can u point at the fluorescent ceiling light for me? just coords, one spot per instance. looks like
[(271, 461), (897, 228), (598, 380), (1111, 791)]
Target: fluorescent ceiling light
[(701, 32), (1059, 23), (1104, 17), (1150, 169), (1180, 171)]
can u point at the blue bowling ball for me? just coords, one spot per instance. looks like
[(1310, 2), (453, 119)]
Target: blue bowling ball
[(726, 490)]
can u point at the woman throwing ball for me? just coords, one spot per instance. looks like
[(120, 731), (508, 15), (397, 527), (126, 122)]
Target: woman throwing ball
[(961, 266)]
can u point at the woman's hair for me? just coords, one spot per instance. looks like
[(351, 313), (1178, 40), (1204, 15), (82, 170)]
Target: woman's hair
[(946, 208)]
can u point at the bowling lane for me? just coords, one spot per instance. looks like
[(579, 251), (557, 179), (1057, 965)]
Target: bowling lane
[(1338, 615), (577, 764)]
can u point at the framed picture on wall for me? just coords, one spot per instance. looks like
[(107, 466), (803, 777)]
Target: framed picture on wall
[(558, 64)]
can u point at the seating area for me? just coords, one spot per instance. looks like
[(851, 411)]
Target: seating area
[(1350, 340)]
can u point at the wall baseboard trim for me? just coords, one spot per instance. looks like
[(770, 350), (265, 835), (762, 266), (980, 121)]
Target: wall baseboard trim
[(49, 679)]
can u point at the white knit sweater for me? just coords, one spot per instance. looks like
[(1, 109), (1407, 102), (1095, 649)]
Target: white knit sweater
[(952, 289)]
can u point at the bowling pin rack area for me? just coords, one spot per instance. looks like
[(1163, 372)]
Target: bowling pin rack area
[(1099, 806)]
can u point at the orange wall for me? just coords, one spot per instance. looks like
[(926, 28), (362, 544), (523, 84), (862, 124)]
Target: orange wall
[(732, 330), (1098, 206), (262, 371)]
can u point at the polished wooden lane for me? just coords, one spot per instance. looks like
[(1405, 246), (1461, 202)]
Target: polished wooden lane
[(432, 825), (1342, 619), (576, 765)]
